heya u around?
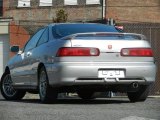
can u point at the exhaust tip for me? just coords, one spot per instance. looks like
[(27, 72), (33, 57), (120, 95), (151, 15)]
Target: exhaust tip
[(135, 85)]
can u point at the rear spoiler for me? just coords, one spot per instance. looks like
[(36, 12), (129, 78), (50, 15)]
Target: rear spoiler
[(105, 34)]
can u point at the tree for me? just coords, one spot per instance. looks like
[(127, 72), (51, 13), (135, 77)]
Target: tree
[(61, 16)]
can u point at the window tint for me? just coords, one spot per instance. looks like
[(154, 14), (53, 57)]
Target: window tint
[(62, 30), (44, 37), (1, 7), (33, 41)]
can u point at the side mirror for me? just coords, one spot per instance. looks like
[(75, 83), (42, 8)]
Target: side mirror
[(14, 49)]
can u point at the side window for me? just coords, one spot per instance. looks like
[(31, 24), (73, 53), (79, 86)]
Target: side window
[(33, 41), (44, 37)]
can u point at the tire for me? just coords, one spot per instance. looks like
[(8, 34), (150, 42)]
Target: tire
[(86, 95), (7, 90), (139, 96), (46, 93)]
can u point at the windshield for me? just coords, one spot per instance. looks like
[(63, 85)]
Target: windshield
[(63, 30)]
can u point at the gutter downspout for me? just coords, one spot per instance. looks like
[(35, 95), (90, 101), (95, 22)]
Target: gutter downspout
[(103, 10)]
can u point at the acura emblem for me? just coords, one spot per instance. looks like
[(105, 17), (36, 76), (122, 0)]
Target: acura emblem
[(109, 46)]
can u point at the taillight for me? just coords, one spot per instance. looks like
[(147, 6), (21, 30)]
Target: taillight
[(77, 51), (137, 52)]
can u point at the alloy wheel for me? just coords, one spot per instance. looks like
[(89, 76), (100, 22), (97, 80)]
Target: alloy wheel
[(7, 86), (43, 84)]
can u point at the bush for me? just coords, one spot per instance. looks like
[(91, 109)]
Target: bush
[(61, 16)]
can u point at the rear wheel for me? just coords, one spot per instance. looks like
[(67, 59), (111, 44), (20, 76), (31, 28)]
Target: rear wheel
[(46, 93), (7, 90), (87, 95), (140, 95)]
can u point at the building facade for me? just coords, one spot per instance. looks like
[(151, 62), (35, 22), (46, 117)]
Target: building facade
[(4, 43), (133, 11), (45, 10)]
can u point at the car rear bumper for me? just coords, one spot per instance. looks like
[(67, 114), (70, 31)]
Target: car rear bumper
[(78, 73)]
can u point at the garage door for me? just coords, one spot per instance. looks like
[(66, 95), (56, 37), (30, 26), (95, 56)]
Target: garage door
[(4, 52)]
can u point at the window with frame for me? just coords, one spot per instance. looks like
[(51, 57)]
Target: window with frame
[(33, 41), (92, 2), (24, 3), (45, 2), (70, 2), (44, 38), (1, 7)]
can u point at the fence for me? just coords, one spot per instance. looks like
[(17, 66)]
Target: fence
[(152, 32)]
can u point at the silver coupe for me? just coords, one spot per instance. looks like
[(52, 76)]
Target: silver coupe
[(80, 57)]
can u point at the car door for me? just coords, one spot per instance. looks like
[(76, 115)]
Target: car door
[(21, 73)]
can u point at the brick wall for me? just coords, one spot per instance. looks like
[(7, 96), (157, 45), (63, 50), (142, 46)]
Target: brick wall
[(36, 12), (18, 35), (134, 10)]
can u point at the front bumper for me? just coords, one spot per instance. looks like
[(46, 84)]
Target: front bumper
[(79, 73)]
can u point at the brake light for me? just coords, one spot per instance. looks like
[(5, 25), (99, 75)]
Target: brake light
[(137, 52), (77, 51)]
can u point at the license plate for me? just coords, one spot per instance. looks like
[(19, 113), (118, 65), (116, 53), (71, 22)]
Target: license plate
[(111, 74)]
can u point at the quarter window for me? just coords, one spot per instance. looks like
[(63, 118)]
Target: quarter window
[(44, 37), (24, 3), (33, 41)]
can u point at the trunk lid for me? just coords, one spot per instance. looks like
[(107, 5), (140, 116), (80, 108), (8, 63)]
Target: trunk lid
[(109, 45)]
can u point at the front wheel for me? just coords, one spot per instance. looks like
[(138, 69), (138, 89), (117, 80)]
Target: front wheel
[(139, 96), (46, 93), (7, 90)]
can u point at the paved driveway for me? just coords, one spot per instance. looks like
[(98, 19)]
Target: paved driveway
[(77, 109)]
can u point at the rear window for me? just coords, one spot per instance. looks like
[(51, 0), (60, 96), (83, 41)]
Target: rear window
[(63, 30)]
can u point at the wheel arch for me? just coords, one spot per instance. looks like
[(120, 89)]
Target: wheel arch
[(39, 68), (7, 70)]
